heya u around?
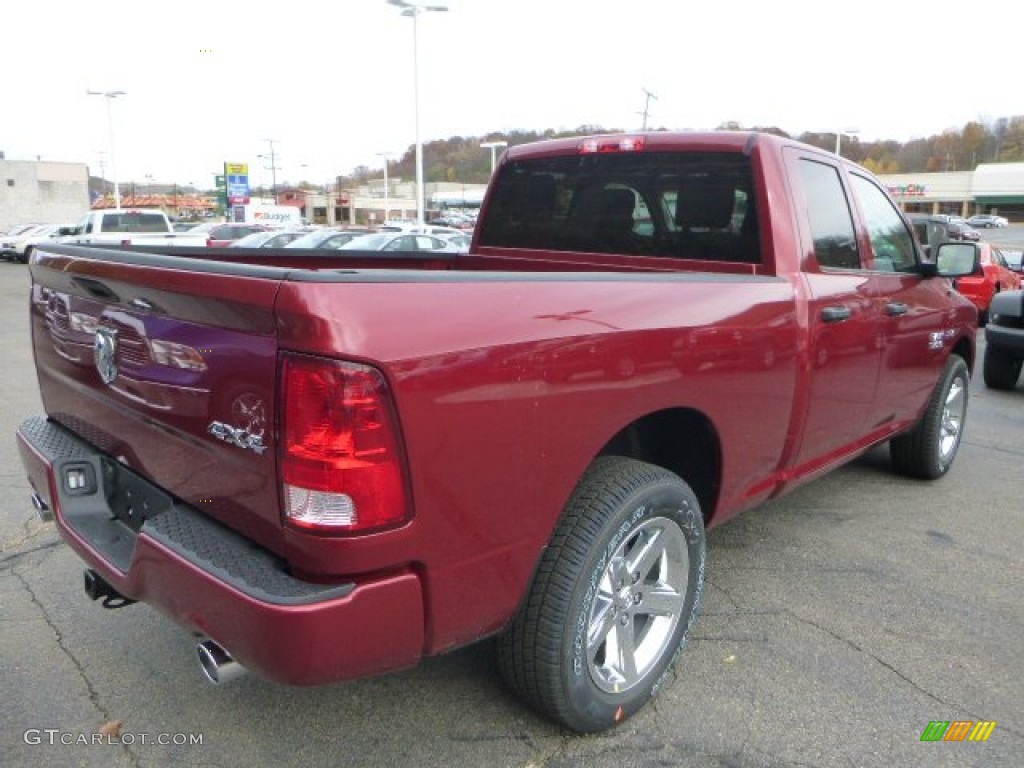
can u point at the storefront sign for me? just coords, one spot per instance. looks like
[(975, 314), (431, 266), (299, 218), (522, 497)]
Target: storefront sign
[(908, 190)]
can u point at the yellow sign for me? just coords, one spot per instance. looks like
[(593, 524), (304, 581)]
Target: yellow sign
[(236, 169)]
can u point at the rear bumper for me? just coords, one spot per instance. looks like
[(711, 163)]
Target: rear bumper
[(214, 581)]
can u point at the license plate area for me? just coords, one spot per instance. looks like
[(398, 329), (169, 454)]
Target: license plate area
[(132, 499)]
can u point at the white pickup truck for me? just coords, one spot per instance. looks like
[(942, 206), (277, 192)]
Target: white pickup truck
[(128, 227)]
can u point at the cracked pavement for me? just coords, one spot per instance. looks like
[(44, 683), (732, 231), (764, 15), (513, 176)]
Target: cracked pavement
[(837, 623)]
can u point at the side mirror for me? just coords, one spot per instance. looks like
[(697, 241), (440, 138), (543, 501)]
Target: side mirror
[(958, 259)]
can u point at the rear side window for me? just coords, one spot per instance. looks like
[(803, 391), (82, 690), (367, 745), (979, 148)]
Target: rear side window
[(688, 205), (828, 211)]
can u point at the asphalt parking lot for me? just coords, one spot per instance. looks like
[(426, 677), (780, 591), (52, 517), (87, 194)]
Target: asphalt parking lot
[(839, 622)]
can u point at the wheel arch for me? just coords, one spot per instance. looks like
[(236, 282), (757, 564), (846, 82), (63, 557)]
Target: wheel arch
[(681, 440), (966, 349)]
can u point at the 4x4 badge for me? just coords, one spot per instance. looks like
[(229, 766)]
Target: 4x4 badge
[(104, 351)]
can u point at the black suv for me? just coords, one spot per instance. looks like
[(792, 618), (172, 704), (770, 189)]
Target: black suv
[(1004, 340)]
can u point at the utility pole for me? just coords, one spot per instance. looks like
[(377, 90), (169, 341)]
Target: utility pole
[(103, 174), (647, 105), (273, 167)]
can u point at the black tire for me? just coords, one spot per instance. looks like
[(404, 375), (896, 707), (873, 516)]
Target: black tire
[(562, 653), (928, 450), (1001, 369)]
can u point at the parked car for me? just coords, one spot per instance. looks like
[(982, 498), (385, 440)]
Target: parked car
[(14, 246), (438, 230), (20, 248), (400, 241), (128, 226), (460, 241), (1004, 341), (222, 235), (458, 221), (987, 221), (959, 229), (275, 238), (18, 229), (993, 276), (934, 229), (10, 237), (330, 239)]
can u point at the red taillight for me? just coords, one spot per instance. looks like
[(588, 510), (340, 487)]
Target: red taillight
[(340, 458)]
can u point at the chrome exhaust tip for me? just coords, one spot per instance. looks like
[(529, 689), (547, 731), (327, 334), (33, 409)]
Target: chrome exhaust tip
[(42, 508), (217, 665)]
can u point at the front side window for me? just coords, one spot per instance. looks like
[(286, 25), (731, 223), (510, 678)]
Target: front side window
[(828, 212), (892, 244)]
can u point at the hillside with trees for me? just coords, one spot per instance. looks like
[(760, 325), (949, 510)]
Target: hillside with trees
[(460, 158)]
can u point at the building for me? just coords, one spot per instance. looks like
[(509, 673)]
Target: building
[(989, 188), (372, 205), (42, 191), (177, 205)]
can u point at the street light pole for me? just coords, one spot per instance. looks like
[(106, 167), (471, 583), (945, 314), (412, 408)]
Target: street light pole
[(110, 96), (387, 206), (847, 132), (493, 145), (413, 10)]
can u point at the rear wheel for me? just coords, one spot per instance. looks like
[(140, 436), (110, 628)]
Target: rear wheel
[(613, 600), (929, 449), (1001, 369)]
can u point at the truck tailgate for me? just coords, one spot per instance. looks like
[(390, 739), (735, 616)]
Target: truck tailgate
[(171, 372)]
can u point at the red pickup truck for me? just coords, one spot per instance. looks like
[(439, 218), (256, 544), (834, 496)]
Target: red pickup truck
[(335, 466)]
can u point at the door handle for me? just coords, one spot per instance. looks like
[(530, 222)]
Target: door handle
[(896, 308), (836, 314)]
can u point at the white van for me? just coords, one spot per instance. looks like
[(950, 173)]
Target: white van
[(275, 216)]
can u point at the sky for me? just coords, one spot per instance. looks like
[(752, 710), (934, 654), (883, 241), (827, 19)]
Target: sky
[(327, 85)]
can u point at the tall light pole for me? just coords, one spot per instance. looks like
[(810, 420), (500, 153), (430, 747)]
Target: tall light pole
[(387, 206), (413, 10), (110, 96), (493, 145), (847, 132)]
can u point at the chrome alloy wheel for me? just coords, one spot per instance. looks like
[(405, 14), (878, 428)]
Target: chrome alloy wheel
[(953, 411), (640, 599)]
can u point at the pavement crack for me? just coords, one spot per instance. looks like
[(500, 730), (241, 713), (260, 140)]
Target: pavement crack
[(31, 529), (9, 561), (94, 697)]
